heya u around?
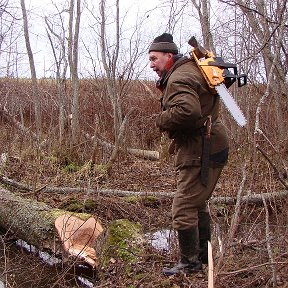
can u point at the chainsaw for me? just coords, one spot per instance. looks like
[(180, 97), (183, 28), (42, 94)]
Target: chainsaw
[(219, 77)]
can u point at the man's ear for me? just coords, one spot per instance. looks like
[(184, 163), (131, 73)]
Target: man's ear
[(170, 55)]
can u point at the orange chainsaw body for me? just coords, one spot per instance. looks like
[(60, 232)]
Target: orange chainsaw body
[(213, 74)]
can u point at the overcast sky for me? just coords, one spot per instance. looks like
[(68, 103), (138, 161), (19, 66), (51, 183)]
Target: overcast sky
[(130, 10), (152, 13)]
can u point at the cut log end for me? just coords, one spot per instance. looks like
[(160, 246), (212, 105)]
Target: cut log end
[(78, 237)]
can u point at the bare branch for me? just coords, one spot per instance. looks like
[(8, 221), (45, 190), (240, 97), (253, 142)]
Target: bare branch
[(234, 3)]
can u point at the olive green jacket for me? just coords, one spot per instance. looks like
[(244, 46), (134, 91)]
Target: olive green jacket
[(186, 103)]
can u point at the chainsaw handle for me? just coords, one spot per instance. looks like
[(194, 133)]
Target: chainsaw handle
[(242, 80), (230, 78)]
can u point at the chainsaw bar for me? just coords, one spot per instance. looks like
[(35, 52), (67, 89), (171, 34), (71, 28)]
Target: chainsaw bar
[(231, 104)]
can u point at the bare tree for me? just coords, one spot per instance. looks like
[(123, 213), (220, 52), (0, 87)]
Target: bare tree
[(73, 43), (119, 65), (267, 46), (36, 100), (61, 69), (65, 49), (203, 9), (8, 34), (177, 11), (265, 19), (110, 65)]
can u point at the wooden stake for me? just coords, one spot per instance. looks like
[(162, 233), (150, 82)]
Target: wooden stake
[(210, 266)]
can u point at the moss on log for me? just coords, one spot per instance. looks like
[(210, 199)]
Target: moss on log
[(124, 242)]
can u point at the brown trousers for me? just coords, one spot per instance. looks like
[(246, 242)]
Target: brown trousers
[(191, 196)]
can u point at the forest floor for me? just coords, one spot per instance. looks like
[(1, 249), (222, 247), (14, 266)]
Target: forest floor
[(246, 263)]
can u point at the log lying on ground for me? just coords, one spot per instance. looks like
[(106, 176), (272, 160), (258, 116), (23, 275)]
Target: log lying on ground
[(37, 224), (145, 154), (251, 198)]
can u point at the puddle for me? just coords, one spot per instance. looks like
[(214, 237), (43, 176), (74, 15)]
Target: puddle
[(46, 257), (80, 270), (162, 240), (85, 282), (86, 276)]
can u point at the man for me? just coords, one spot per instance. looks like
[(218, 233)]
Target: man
[(190, 116)]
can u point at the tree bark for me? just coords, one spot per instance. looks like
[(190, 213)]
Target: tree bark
[(51, 229), (73, 53), (203, 9), (37, 107)]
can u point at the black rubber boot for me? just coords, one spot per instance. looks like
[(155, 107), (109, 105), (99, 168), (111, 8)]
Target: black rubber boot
[(189, 253), (204, 235)]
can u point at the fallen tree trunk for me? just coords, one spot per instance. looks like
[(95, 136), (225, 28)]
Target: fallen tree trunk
[(145, 154), (251, 198), (55, 230)]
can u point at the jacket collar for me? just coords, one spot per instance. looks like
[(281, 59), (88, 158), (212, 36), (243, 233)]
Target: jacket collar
[(178, 61)]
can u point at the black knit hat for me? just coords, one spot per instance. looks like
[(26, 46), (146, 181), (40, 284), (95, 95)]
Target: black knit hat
[(164, 43)]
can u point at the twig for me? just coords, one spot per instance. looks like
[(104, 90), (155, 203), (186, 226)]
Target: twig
[(268, 245), (252, 268), (146, 87), (23, 130), (234, 221), (219, 238), (5, 261), (270, 77), (273, 166)]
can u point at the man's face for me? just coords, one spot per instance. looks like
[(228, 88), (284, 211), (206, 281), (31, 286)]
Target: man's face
[(158, 61)]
